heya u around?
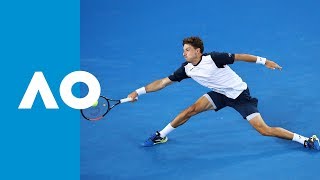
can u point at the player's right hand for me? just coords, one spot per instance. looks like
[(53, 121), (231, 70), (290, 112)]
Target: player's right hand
[(133, 96)]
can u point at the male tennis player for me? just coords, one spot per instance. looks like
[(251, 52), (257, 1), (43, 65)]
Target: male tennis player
[(227, 89)]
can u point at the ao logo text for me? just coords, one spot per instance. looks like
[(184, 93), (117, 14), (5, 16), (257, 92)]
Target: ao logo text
[(39, 84)]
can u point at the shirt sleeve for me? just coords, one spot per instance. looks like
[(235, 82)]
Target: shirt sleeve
[(222, 58), (179, 74)]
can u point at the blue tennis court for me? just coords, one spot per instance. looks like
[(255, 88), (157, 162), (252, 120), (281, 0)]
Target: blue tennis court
[(128, 44)]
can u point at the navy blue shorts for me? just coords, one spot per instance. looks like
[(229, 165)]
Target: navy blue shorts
[(244, 103)]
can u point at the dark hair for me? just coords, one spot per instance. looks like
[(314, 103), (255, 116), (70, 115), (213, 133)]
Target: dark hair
[(195, 42)]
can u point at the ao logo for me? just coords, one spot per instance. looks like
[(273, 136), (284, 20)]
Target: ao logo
[(39, 84)]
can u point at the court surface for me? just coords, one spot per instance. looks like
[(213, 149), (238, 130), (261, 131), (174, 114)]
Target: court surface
[(127, 45)]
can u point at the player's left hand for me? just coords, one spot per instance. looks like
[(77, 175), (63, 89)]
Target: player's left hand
[(272, 65)]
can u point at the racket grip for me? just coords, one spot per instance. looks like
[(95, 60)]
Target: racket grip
[(126, 100)]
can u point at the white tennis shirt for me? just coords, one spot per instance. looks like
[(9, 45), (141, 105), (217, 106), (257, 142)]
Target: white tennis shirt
[(213, 72)]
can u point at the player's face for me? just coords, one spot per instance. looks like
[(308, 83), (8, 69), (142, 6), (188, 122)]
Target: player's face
[(190, 53)]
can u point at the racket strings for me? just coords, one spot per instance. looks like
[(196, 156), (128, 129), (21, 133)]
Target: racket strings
[(96, 111)]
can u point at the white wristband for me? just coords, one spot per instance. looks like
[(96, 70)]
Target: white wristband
[(141, 91), (261, 60)]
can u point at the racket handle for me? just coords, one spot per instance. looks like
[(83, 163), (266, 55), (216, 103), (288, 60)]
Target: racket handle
[(126, 100)]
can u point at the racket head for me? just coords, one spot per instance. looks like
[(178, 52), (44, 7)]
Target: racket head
[(95, 113)]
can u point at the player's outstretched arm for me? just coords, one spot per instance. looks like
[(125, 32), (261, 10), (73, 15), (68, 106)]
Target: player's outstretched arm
[(256, 59), (152, 87)]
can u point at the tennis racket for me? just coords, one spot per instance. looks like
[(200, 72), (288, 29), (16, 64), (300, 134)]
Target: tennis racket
[(101, 109)]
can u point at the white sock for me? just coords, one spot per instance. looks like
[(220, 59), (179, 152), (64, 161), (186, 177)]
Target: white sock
[(166, 130), (298, 138)]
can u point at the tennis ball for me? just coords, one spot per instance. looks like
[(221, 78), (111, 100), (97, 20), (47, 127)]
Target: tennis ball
[(95, 104)]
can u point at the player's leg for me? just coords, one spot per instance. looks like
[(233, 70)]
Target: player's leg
[(248, 108), (209, 101), (204, 103), (258, 123)]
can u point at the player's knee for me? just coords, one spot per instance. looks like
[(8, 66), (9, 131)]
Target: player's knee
[(192, 110), (264, 130)]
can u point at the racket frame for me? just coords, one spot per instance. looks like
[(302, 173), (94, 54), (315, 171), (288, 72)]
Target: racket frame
[(117, 102)]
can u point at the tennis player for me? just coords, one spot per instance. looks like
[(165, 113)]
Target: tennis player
[(227, 89)]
